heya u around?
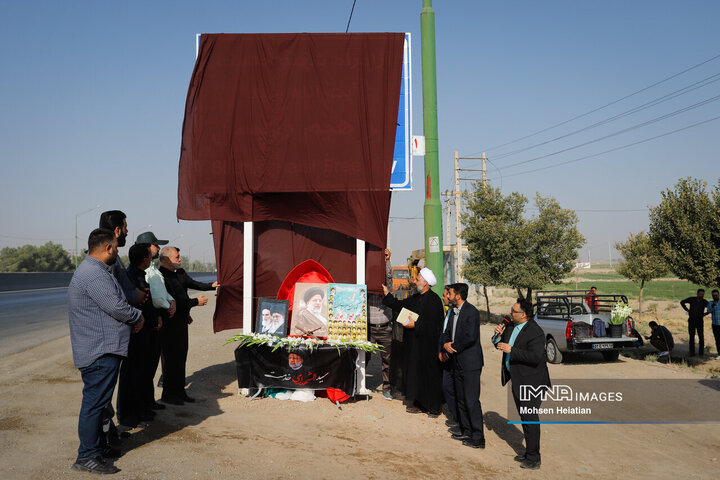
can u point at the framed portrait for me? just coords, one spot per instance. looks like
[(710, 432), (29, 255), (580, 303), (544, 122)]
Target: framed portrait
[(309, 316), (272, 315), (347, 312)]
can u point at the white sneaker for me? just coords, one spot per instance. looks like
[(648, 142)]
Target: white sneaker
[(662, 354)]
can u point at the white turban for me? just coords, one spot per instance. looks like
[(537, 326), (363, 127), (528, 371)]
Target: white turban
[(428, 276)]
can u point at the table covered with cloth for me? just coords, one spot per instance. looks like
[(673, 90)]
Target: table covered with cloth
[(326, 366)]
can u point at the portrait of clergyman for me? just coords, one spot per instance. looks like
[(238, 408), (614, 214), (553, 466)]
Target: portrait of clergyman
[(309, 317), (272, 316)]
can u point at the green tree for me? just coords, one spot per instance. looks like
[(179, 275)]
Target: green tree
[(50, 257), (493, 231), (506, 248), (642, 262), (685, 229)]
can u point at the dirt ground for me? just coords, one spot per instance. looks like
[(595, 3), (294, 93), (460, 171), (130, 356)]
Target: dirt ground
[(225, 435)]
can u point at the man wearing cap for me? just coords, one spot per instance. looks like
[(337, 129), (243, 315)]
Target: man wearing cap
[(165, 304), (310, 320), (422, 381)]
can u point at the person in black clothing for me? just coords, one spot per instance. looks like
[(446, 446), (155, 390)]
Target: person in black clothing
[(132, 406), (695, 306), (661, 338), (523, 361), (459, 345), (174, 332), (422, 371)]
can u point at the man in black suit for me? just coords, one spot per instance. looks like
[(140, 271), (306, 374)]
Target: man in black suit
[(523, 360), (460, 345)]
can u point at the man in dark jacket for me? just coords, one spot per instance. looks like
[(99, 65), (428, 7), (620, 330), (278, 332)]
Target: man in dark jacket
[(661, 338), (460, 346), (695, 306), (523, 361), (132, 406), (174, 332)]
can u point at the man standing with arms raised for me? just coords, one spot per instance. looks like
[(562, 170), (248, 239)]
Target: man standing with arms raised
[(175, 330), (101, 321), (460, 346), (422, 381), (523, 361)]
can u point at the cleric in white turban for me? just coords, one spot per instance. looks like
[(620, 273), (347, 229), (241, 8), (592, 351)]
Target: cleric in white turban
[(429, 276), (421, 368)]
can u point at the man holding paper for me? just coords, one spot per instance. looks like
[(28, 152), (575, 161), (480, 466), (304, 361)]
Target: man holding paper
[(422, 380)]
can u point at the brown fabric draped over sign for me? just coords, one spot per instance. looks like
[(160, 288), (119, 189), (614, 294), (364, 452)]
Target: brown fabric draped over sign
[(295, 132), (279, 247), (292, 127)]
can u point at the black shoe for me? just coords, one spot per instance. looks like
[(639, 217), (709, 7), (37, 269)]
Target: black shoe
[(455, 430), (173, 400), (157, 406), (520, 458), (129, 421), (470, 442), (95, 465), (451, 423), (462, 437), (111, 453), (147, 416), (187, 398), (530, 465)]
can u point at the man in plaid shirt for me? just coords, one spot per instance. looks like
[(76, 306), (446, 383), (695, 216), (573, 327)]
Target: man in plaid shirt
[(101, 321)]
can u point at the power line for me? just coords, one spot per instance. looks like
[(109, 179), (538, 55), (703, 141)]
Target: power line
[(692, 87), (602, 107), (615, 149), (619, 132), (351, 14)]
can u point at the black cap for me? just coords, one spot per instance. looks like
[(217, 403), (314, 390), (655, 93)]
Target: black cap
[(150, 238)]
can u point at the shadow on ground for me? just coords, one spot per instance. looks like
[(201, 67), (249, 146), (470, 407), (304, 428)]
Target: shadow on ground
[(206, 386)]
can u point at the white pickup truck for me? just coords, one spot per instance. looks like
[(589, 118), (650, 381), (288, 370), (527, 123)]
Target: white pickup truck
[(567, 319)]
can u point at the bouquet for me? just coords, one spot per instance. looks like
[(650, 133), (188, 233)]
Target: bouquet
[(619, 313)]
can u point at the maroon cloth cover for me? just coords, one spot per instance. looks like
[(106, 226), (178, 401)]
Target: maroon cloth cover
[(296, 127), (296, 132)]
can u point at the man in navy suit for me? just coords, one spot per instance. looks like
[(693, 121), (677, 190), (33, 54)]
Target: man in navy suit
[(460, 345), (523, 360)]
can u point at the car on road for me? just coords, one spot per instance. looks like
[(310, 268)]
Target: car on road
[(577, 322)]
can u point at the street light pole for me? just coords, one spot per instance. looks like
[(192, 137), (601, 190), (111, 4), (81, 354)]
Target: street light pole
[(76, 231), (433, 208)]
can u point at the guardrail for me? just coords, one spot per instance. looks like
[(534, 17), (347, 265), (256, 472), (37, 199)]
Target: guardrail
[(10, 282)]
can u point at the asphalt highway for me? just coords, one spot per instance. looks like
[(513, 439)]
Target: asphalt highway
[(31, 317)]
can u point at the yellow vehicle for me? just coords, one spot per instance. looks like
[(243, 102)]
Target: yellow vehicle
[(401, 282)]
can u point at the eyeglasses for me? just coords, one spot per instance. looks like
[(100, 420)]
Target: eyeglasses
[(512, 310)]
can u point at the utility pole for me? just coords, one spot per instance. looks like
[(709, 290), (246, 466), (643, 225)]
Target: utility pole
[(432, 207), (458, 204), (484, 169)]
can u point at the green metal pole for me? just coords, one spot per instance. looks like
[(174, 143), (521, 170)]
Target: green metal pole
[(433, 208)]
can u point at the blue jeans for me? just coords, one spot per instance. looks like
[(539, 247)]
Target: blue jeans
[(99, 379)]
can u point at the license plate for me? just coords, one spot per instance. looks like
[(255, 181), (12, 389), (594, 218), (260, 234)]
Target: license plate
[(600, 346)]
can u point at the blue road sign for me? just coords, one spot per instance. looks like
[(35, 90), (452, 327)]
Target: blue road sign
[(401, 178)]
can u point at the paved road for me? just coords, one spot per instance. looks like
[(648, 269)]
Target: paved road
[(31, 317)]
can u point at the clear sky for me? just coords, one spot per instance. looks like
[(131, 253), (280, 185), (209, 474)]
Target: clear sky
[(92, 97)]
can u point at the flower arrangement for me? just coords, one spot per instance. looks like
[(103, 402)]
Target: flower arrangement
[(619, 313), (250, 339)]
